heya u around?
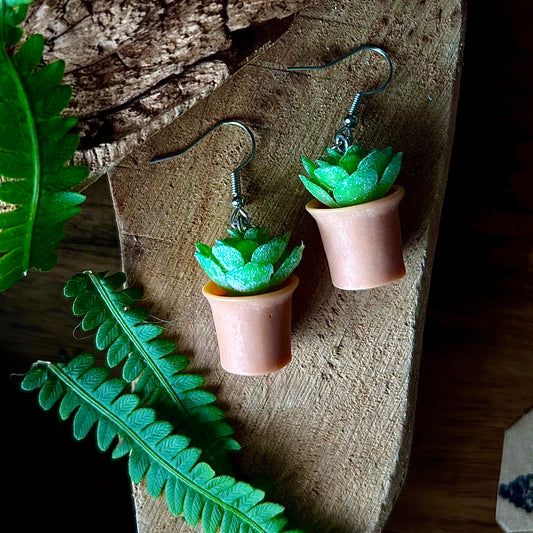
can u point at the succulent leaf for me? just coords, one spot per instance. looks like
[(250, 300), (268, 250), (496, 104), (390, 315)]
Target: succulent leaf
[(355, 177), (228, 256), (245, 263), (212, 269), (376, 160), (358, 185), (290, 263), (390, 175), (309, 166), (330, 176), (352, 157), (318, 192), (271, 252), (252, 277), (333, 157), (245, 246)]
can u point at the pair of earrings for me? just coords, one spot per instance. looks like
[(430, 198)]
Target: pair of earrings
[(252, 282)]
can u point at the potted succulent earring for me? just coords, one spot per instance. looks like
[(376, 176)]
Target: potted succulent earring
[(251, 288), (356, 204)]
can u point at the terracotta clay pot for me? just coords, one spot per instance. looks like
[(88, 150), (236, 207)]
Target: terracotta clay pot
[(254, 332), (363, 243)]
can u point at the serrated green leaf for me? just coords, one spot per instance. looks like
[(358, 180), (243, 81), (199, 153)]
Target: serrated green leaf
[(119, 350), (69, 403), (29, 55), (155, 480), (35, 145), (138, 465), (35, 378), (107, 333), (192, 508), (84, 420), (106, 433), (150, 360), (191, 488), (175, 496)]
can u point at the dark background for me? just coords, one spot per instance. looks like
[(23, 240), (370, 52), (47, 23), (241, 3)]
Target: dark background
[(477, 365)]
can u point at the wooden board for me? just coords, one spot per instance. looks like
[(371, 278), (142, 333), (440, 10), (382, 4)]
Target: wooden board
[(333, 429)]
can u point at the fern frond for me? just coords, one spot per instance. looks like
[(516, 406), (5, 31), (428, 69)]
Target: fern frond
[(35, 144), (156, 453), (122, 329)]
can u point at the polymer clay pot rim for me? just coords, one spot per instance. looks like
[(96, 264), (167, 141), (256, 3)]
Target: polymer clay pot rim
[(394, 195), (214, 292)]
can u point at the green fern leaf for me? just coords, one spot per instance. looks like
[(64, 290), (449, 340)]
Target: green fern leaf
[(123, 331), (166, 460), (35, 144)]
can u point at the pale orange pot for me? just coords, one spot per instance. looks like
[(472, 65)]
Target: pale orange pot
[(363, 243), (253, 332)]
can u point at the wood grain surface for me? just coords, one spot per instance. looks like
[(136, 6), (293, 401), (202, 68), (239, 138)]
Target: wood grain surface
[(476, 366), (333, 429)]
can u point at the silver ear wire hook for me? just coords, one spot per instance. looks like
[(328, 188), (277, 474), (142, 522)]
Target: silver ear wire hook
[(239, 218), (344, 136)]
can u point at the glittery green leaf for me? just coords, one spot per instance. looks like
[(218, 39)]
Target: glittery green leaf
[(376, 160), (250, 278), (330, 176), (357, 188), (353, 156), (271, 252), (389, 176), (290, 263), (228, 256), (320, 194), (244, 263), (352, 178)]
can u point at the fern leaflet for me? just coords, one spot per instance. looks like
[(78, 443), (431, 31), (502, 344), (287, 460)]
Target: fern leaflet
[(122, 329), (35, 144), (156, 452)]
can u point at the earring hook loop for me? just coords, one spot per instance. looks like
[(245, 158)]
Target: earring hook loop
[(344, 136), (240, 220)]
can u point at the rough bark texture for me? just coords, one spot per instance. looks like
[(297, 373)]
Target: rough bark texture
[(333, 429), (136, 65)]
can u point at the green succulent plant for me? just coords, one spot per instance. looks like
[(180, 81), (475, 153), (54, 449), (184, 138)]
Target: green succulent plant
[(355, 177), (249, 262)]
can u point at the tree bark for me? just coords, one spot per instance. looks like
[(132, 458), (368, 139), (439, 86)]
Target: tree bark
[(135, 65)]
